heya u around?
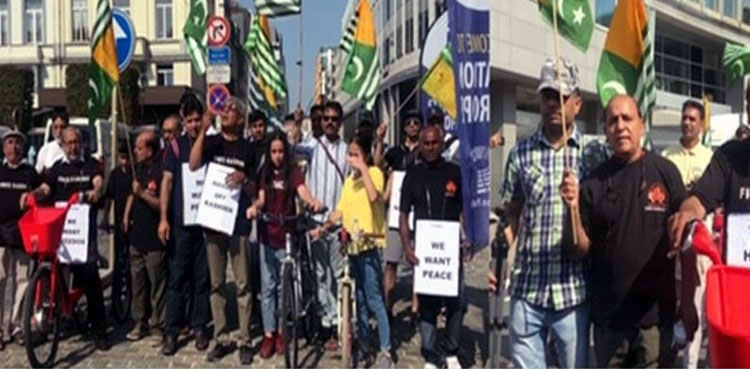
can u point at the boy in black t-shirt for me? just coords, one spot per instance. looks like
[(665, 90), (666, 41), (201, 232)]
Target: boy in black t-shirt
[(147, 254)]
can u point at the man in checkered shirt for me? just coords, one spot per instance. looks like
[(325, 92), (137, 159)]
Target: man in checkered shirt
[(548, 288)]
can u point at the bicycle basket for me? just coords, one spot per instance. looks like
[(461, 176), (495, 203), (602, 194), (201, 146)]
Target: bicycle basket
[(42, 228)]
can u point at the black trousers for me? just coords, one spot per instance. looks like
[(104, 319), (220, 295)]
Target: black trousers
[(86, 276), (188, 287)]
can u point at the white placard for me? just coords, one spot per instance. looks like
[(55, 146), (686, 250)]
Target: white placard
[(394, 208), (218, 207), (74, 245), (192, 185), (437, 248), (738, 240)]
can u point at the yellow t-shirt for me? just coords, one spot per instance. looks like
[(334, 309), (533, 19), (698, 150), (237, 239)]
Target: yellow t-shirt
[(359, 214), (690, 162)]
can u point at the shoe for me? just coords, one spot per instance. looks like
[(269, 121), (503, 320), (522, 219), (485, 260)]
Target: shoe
[(19, 337), (429, 365), (170, 346), (332, 344), (2, 341), (101, 342), (185, 331), (452, 362), (246, 355), (385, 361), (267, 348), (280, 344), (137, 333), (201, 340), (218, 352)]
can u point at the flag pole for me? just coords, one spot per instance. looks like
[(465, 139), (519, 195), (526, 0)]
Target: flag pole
[(127, 133), (301, 56), (566, 134)]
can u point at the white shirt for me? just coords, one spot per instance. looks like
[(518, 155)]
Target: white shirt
[(49, 154)]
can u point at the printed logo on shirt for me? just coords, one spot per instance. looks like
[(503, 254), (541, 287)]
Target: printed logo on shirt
[(232, 162), (73, 179), (278, 185), (657, 198), (450, 189), (745, 193), (13, 186)]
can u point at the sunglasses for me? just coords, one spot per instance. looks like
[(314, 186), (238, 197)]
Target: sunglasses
[(329, 118)]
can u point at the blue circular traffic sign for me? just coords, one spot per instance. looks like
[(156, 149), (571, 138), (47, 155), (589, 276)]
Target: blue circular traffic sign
[(124, 38)]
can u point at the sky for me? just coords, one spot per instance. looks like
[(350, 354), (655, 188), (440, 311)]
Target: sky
[(321, 27)]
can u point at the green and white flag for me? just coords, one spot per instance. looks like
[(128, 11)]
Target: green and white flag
[(736, 61), (362, 74), (196, 37), (347, 39), (574, 20), (104, 72), (277, 8), (261, 53)]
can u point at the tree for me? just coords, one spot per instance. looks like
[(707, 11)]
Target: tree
[(16, 88), (77, 93)]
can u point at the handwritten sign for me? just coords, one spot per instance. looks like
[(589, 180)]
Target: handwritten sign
[(74, 245), (437, 248), (192, 186), (394, 209), (219, 203), (738, 240)]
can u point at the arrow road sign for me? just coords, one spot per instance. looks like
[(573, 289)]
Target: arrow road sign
[(219, 31), (124, 38)]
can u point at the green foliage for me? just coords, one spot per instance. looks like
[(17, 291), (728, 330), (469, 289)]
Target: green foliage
[(77, 93), (16, 88)]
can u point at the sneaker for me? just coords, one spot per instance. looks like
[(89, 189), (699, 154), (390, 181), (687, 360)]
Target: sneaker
[(219, 351), (384, 360), (452, 362), (201, 340), (101, 342), (18, 336), (280, 344), (246, 355), (267, 348)]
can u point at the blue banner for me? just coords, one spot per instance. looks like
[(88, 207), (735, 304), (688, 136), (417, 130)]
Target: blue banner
[(469, 36)]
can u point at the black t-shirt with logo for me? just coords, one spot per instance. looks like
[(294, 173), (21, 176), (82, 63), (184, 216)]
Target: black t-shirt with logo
[(239, 155), (624, 209), (145, 219), (13, 183), (433, 191), (726, 181)]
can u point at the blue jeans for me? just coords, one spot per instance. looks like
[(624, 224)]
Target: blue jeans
[(429, 309), (329, 267), (530, 326), (270, 288), (368, 277)]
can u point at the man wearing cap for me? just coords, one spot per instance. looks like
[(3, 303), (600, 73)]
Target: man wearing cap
[(52, 151), (549, 288), (18, 180)]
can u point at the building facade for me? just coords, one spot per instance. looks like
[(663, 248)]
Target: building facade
[(46, 36)]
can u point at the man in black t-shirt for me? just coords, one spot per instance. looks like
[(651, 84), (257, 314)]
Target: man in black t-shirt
[(228, 148), (148, 267), (119, 184), (622, 225), (18, 180), (432, 189), (71, 175)]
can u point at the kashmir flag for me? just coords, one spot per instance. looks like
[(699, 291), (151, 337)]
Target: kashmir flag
[(258, 47), (362, 73), (104, 73), (440, 83), (736, 61), (277, 8), (347, 39), (574, 20), (196, 36), (627, 62)]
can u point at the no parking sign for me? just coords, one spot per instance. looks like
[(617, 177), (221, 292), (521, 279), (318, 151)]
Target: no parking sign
[(217, 97)]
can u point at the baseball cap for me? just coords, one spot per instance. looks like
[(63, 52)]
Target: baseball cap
[(569, 75), (14, 133)]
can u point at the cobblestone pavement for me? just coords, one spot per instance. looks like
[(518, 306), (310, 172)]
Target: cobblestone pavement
[(78, 351)]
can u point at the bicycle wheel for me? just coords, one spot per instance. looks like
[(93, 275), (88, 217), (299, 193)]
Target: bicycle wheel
[(41, 317), (289, 316), (346, 325), (121, 291)]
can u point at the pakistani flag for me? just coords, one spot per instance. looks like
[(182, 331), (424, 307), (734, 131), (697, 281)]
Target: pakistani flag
[(736, 62), (196, 37), (362, 73), (627, 62), (260, 51), (104, 72), (277, 8), (574, 20)]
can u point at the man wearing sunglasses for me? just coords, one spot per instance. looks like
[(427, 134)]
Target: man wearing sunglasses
[(325, 176)]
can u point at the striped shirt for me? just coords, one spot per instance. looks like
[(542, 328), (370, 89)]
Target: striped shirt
[(543, 274), (323, 179)]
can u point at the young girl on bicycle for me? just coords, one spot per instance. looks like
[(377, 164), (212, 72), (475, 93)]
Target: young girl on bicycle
[(281, 181), (361, 209)]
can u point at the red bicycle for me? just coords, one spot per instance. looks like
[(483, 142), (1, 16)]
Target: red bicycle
[(49, 295)]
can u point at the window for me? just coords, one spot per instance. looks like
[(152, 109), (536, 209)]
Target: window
[(440, 8), (399, 41), (746, 11), (424, 20), (388, 9), (4, 23), (604, 11), (123, 5), (712, 4), (34, 22), (409, 33), (688, 69), (730, 8), (80, 20), (164, 75), (387, 51), (163, 19)]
